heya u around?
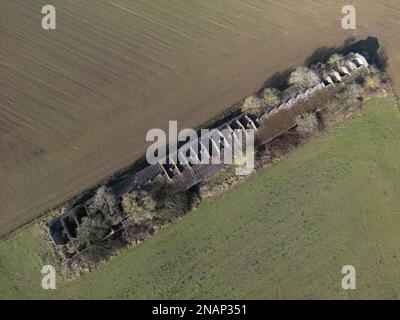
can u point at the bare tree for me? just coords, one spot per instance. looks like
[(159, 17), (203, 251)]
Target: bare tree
[(374, 79), (139, 205), (252, 104), (303, 78), (271, 97), (307, 123), (105, 203), (102, 215), (93, 229), (336, 61)]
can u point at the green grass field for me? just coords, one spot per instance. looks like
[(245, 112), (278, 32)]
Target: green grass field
[(285, 233)]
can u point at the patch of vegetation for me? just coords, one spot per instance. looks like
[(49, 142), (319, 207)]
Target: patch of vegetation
[(271, 97), (139, 205), (350, 98), (307, 123), (374, 79), (336, 61), (252, 104), (303, 78), (102, 215), (345, 102)]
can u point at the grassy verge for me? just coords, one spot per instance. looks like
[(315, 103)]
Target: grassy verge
[(284, 233)]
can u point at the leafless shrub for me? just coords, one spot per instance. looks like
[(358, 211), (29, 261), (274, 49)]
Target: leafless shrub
[(303, 78), (332, 111), (136, 232), (139, 205), (374, 79), (104, 202), (336, 61), (372, 82), (103, 214), (349, 97), (271, 97), (252, 104), (307, 123)]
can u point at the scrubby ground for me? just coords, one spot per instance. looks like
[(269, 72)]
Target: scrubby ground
[(284, 233), (76, 102)]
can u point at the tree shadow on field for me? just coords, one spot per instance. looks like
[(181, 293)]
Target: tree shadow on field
[(377, 55), (279, 79), (322, 54), (382, 59), (349, 41)]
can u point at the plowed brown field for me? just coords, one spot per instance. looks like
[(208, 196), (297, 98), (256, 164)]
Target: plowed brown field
[(76, 102)]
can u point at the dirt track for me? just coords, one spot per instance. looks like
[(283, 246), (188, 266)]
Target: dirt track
[(76, 103)]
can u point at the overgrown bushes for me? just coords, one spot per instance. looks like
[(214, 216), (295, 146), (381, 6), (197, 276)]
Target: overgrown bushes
[(252, 104), (110, 222), (102, 215), (373, 80), (336, 61), (271, 97), (268, 98), (307, 123), (303, 78), (345, 100), (138, 205), (353, 94)]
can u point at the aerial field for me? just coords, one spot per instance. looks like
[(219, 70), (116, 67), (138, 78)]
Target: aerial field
[(77, 102), (286, 232)]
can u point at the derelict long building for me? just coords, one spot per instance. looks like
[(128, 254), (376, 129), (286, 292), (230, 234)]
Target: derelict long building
[(172, 176)]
